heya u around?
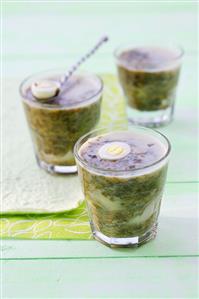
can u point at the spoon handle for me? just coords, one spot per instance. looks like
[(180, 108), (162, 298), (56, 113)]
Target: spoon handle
[(83, 59)]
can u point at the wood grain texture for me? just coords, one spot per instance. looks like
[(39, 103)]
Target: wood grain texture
[(40, 36), (61, 28), (104, 278)]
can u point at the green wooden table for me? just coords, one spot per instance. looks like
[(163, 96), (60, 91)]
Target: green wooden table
[(43, 35)]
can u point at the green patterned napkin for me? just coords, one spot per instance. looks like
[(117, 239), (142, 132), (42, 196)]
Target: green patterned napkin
[(71, 224)]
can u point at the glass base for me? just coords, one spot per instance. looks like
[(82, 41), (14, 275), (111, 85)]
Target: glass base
[(125, 242), (56, 169), (152, 119)]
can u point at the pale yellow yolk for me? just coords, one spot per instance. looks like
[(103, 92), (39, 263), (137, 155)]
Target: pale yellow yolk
[(114, 150)]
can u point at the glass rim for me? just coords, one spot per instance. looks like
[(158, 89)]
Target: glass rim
[(130, 171), (164, 46), (47, 105)]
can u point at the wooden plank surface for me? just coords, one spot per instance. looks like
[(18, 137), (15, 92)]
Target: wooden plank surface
[(38, 36), (104, 278)]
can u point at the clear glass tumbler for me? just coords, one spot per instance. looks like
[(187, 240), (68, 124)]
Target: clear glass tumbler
[(123, 206), (56, 125), (149, 77)]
